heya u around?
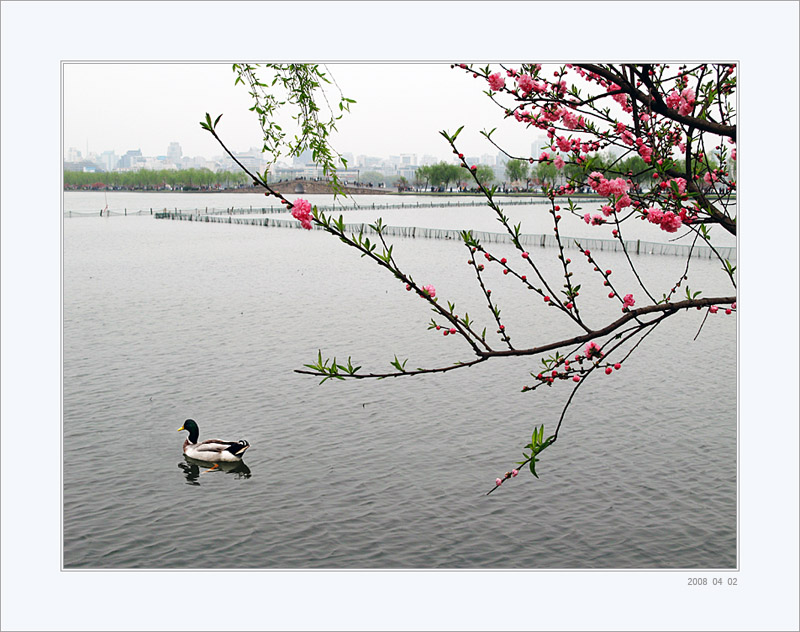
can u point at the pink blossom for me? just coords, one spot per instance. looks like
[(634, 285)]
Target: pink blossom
[(623, 202), (628, 300), (563, 144), (429, 290), (498, 481), (558, 162), (627, 137), (607, 210), (544, 156), (713, 309), (571, 121), (683, 101), (673, 100), (301, 210), (688, 100), (551, 114), (514, 472), (681, 184), (539, 86), (496, 81), (670, 222), (620, 98), (654, 215), (595, 179), (617, 186), (592, 350), (525, 83)]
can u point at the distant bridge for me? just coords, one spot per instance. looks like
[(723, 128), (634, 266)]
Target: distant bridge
[(293, 187)]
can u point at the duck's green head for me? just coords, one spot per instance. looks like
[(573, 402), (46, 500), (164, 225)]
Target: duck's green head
[(192, 428)]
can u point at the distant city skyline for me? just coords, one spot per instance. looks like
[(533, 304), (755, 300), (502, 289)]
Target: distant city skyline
[(400, 109), (388, 167)]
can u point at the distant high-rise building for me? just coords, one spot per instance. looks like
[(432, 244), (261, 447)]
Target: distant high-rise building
[(131, 157), (306, 158), (538, 146), (174, 153), (108, 160), (73, 155)]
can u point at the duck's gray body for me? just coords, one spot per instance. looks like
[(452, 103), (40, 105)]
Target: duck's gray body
[(211, 450)]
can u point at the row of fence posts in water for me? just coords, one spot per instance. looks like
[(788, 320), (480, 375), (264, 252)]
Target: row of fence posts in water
[(631, 246), (263, 210)]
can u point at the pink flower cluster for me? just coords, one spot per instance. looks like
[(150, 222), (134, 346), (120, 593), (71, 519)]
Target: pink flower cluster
[(681, 184), (628, 300), (627, 137), (682, 101), (616, 188), (620, 98), (564, 144), (496, 81), (527, 84), (592, 350), (594, 220), (644, 151), (570, 120), (668, 221), (607, 188), (301, 210), (429, 290)]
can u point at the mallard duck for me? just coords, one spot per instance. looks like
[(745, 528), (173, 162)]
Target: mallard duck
[(211, 450)]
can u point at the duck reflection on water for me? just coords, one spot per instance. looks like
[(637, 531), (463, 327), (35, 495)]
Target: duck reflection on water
[(193, 469)]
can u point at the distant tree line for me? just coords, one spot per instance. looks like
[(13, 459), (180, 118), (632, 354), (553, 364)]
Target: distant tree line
[(443, 175), (545, 172), (155, 180)]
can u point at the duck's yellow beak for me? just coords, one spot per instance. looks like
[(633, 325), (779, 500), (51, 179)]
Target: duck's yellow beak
[(181, 428)]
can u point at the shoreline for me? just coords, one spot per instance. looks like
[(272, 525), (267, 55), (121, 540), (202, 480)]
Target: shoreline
[(528, 194)]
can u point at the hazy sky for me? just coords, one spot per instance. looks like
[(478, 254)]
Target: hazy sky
[(400, 108)]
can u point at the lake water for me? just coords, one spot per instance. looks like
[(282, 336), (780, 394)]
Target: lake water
[(166, 320)]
